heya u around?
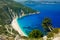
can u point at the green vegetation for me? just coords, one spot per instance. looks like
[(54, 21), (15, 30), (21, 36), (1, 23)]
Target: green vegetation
[(47, 25), (53, 32), (6, 19), (6, 16), (35, 34)]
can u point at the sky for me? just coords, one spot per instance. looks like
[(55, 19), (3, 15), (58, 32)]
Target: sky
[(37, 0)]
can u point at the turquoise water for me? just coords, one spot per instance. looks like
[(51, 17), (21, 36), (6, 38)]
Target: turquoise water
[(30, 22)]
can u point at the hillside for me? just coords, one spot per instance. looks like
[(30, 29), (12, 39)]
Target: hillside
[(6, 5), (9, 9)]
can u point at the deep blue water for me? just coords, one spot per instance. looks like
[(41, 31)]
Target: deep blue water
[(30, 22)]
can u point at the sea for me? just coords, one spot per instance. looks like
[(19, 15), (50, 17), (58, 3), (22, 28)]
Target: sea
[(34, 21)]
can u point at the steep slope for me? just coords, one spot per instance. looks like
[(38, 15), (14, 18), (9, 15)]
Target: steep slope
[(9, 8)]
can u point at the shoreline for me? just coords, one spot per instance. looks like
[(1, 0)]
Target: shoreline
[(15, 25)]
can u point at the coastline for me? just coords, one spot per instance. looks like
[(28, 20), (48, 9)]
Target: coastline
[(15, 25)]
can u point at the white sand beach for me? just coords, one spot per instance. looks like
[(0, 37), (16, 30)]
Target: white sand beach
[(17, 28)]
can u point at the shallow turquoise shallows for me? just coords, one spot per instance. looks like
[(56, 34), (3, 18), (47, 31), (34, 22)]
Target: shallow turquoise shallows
[(30, 22)]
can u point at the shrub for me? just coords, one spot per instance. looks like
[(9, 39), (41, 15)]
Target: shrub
[(35, 34)]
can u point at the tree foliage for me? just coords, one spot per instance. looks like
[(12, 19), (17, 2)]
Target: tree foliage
[(47, 25), (35, 34)]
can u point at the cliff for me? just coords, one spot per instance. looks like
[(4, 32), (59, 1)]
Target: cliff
[(9, 9)]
